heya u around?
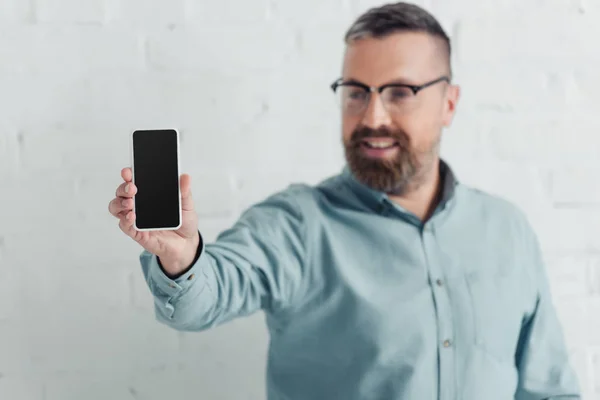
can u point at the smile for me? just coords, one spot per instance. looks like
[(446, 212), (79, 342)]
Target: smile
[(379, 143)]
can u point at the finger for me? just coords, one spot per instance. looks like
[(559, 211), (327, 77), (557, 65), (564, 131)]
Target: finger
[(187, 203), (126, 189), (119, 205), (126, 223), (126, 174)]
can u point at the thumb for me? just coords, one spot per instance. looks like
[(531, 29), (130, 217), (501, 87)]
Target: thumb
[(187, 203)]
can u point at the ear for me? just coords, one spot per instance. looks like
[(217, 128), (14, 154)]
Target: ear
[(450, 103)]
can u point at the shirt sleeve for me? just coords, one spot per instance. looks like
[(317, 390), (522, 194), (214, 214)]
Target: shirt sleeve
[(257, 264), (542, 357)]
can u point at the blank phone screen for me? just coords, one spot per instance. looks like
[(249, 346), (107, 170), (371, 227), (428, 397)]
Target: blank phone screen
[(156, 176)]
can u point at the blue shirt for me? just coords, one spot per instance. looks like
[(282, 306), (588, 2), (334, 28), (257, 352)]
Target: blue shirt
[(364, 301)]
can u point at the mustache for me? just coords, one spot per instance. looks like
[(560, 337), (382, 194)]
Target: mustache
[(363, 132)]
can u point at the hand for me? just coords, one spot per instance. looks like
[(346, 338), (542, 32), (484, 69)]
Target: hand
[(176, 249)]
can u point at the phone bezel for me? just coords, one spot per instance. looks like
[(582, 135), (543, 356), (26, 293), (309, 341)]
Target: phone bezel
[(171, 228)]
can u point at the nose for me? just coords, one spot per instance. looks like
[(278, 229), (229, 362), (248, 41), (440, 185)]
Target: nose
[(376, 114)]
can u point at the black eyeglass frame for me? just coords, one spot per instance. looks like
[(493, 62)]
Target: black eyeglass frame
[(415, 88)]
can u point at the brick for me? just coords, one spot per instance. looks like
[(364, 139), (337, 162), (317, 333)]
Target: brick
[(11, 291), (318, 14), (215, 354), (15, 350), (463, 140), (74, 249), (491, 9), (584, 87), (2, 250), (574, 319), (594, 380), (255, 12), (521, 87), (360, 6), (141, 297), (216, 340), (592, 328), (140, 14), (317, 52), (562, 138), (68, 50), (212, 194), (19, 104), (590, 7), (581, 361), (16, 11), (571, 186), (568, 275), (70, 11), (305, 142), (555, 36), (199, 104), (9, 152), (129, 97), (216, 382), (26, 213), (21, 388), (92, 149), (89, 386), (569, 230), (593, 275), (76, 290), (98, 340), (240, 46)]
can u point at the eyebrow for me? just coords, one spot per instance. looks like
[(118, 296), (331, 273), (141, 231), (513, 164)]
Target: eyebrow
[(398, 81)]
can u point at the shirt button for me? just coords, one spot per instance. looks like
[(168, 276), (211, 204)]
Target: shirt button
[(191, 277), (447, 343), (439, 282), (171, 285)]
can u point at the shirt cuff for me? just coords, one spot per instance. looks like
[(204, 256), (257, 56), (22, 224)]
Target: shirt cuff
[(173, 287)]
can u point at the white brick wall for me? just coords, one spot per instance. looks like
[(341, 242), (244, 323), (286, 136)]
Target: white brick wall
[(246, 82)]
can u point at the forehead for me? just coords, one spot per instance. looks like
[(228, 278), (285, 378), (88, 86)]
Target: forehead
[(412, 56)]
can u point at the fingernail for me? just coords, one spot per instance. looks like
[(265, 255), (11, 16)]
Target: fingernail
[(124, 203), (127, 189)]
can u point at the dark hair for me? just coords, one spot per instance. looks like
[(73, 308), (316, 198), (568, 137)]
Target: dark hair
[(397, 17)]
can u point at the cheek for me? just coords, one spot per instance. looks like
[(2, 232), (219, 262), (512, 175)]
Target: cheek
[(423, 131), (348, 126)]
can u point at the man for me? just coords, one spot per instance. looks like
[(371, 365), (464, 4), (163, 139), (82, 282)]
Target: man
[(390, 280)]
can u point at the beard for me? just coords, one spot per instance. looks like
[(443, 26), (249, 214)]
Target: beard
[(396, 175)]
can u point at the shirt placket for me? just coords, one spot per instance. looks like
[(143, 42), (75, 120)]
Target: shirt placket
[(443, 311)]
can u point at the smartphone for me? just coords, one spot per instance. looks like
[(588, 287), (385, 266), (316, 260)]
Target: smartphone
[(155, 168)]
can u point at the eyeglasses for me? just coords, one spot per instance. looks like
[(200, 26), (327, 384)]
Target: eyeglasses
[(354, 97)]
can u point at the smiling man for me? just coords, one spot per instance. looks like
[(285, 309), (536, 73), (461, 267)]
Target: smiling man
[(391, 280)]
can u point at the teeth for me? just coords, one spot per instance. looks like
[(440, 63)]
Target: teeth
[(380, 145)]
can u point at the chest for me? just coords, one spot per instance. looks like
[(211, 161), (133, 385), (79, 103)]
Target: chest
[(397, 288)]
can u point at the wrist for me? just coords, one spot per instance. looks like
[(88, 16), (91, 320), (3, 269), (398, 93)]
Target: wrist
[(177, 266)]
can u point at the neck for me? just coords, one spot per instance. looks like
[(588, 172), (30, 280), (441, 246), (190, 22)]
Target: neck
[(423, 198)]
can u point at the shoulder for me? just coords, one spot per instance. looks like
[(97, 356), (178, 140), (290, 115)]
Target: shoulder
[(305, 197), (497, 211)]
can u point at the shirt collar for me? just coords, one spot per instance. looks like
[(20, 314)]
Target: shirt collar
[(377, 198)]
